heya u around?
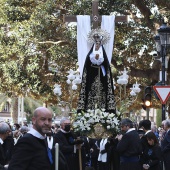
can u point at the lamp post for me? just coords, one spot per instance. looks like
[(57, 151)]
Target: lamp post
[(162, 41)]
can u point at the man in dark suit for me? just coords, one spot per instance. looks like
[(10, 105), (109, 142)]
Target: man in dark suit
[(4, 132), (165, 145), (69, 145), (129, 147), (94, 152), (31, 151), (145, 125)]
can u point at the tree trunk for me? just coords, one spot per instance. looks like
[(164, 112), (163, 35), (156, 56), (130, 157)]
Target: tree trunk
[(14, 109)]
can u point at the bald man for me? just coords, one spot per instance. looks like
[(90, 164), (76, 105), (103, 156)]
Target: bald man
[(31, 151)]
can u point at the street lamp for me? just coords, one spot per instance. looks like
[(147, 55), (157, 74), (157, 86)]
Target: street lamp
[(162, 40)]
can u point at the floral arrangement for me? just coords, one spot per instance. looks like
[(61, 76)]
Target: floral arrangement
[(85, 121)]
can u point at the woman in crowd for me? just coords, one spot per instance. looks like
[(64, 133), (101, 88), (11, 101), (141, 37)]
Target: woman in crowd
[(152, 159)]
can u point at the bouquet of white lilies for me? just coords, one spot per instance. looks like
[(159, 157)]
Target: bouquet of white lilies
[(85, 121)]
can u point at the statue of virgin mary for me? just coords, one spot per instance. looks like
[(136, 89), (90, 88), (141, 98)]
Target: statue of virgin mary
[(97, 90)]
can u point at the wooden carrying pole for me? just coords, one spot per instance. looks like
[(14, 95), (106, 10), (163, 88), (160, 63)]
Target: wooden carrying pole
[(80, 159)]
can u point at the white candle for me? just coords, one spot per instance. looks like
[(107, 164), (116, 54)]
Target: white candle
[(56, 156)]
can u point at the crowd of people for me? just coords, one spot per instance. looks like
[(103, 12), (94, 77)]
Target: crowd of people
[(138, 147)]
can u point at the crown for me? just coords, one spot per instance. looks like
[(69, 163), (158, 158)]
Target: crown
[(98, 35)]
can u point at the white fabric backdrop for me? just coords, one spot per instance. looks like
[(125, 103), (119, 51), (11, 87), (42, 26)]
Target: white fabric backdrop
[(83, 47), (108, 24)]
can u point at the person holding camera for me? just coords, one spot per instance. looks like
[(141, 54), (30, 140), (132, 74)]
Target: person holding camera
[(69, 145)]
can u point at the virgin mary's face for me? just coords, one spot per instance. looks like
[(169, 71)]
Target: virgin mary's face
[(97, 38)]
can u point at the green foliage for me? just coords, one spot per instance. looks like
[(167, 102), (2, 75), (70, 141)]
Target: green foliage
[(30, 34), (37, 48)]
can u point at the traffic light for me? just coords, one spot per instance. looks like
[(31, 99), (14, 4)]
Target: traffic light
[(148, 96)]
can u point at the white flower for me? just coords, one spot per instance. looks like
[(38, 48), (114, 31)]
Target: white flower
[(91, 120), (96, 119), (111, 115), (88, 128), (83, 127), (103, 110), (75, 125), (117, 112), (113, 125), (57, 89), (87, 115), (101, 117), (102, 121), (74, 87), (83, 118), (85, 121), (116, 121), (71, 76), (77, 79), (108, 121), (68, 81), (105, 114), (88, 110), (91, 115)]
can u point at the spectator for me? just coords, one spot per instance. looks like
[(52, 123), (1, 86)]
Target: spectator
[(162, 132), (153, 156), (154, 130), (4, 132), (146, 126), (25, 123), (16, 126), (16, 136), (24, 130), (20, 133), (165, 145), (8, 145)]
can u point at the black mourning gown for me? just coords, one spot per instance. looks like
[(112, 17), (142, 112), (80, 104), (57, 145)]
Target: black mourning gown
[(97, 90)]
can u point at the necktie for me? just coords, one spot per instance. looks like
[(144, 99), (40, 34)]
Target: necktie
[(50, 155), (49, 152)]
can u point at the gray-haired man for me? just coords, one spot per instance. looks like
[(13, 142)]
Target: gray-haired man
[(4, 132)]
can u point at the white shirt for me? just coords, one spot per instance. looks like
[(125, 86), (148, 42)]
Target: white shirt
[(131, 129), (36, 133), (102, 157), (148, 132), (1, 141), (50, 141)]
